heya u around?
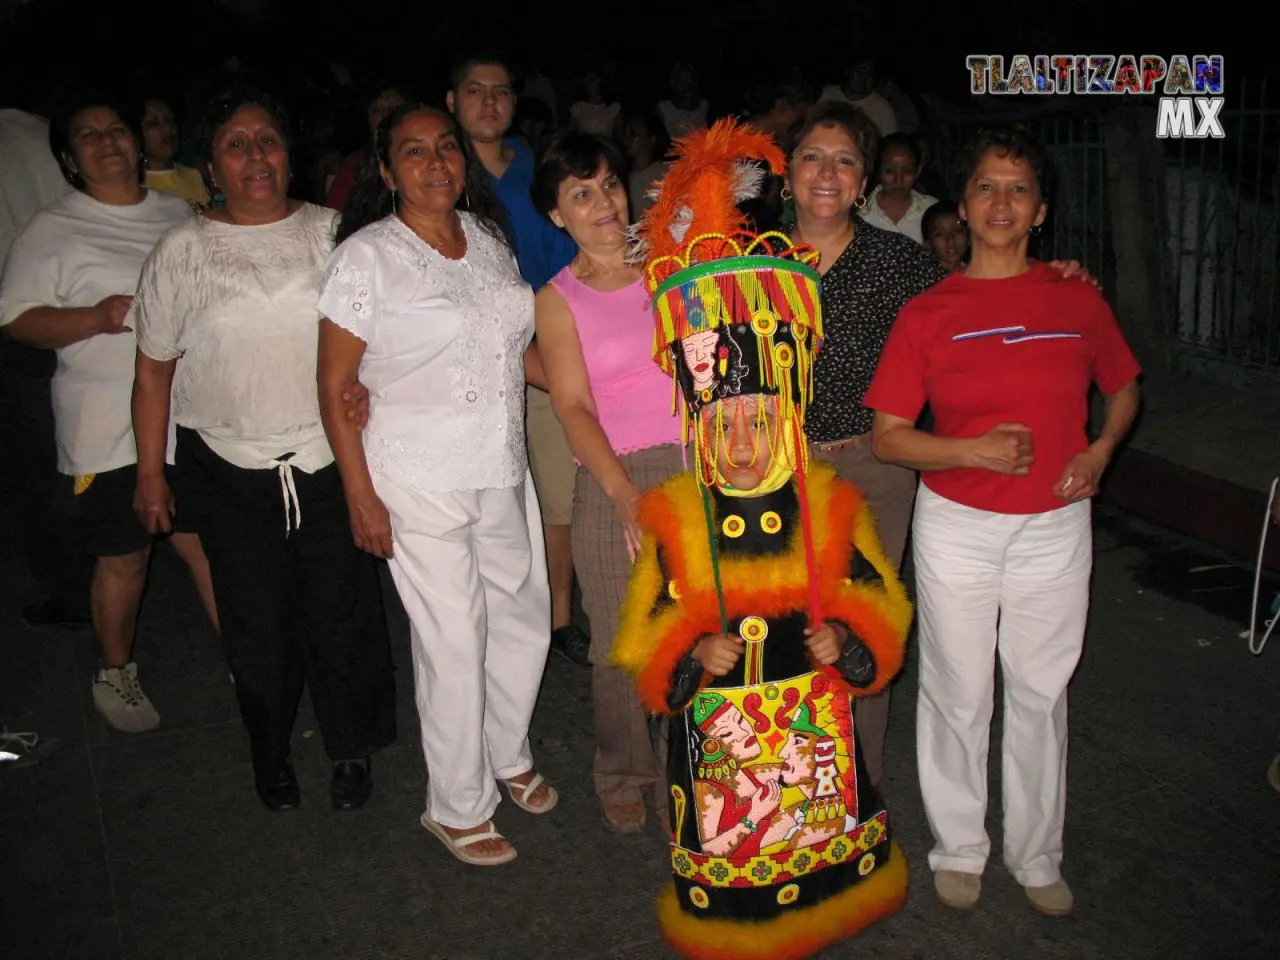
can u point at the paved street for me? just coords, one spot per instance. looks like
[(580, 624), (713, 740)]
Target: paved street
[(154, 847)]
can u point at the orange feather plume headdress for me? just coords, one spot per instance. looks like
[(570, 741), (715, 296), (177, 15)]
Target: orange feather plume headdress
[(736, 313)]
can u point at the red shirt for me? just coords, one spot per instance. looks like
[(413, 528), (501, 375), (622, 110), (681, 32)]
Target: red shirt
[(984, 352)]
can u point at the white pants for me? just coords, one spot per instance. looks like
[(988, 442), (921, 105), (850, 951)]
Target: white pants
[(1019, 585), (471, 571)]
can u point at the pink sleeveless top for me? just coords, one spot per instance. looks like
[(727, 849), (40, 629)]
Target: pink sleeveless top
[(633, 396)]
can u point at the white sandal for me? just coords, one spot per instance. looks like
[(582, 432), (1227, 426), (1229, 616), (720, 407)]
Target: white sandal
[(458, 845), (521, 799)]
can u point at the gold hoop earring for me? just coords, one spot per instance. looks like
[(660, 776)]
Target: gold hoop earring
[(786, 194), (860, 203)]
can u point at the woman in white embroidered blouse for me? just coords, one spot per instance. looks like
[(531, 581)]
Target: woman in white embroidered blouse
[(425, 307), (226, 317)]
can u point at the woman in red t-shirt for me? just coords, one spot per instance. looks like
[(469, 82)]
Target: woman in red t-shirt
[(1004, 353)]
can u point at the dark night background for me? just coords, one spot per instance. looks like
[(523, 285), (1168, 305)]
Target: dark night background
[(173, 50), (149, 849), (733, 44)]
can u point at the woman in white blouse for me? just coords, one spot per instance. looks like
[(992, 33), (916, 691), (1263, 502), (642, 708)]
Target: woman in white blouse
[(226, 318), (68, 282), (895, 204), (425, 307), (594, 112)]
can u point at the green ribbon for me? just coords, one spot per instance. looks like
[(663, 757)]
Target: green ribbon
[(715, 555)]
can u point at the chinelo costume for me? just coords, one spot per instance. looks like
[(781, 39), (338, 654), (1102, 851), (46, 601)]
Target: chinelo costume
[(780, 846)]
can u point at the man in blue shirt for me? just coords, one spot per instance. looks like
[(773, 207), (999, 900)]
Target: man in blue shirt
[(483, 100)]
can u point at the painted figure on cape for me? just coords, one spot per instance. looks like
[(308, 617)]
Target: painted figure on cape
[(761, 603)]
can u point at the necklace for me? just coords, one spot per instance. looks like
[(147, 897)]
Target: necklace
[(451, 241), (584, 270), (454, 242)]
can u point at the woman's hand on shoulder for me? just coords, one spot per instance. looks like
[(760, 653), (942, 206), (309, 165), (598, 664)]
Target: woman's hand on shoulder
[(1074, 269)]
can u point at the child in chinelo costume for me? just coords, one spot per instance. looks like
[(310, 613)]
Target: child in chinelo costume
[(761, 602)]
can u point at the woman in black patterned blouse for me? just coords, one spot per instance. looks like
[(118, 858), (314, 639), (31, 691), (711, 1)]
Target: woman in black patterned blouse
[(868, 275)]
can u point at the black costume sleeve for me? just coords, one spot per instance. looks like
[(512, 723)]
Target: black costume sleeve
[(686, 680), (856, 664)]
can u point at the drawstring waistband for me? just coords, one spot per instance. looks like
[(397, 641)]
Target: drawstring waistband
[(289, 492)]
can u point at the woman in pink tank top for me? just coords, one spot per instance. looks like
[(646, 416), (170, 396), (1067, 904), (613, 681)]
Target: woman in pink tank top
[(595, 338)]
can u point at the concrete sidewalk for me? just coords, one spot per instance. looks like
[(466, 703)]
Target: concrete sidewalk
[(1202, 459)]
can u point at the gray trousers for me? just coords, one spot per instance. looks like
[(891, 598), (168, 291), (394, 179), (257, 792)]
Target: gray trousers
[(890, 491), (626, 763)]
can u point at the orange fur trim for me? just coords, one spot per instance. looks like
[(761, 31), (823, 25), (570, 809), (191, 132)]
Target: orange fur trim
[(634, 645), (797, 934), (879, 625), (649, 647), (673, 514), (866, 540), (653, 682), (701, 179)]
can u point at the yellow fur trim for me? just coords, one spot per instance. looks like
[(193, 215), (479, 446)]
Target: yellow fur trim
[(633, 645), (798, 933), (649, 647), (866, 540), (688, 563)]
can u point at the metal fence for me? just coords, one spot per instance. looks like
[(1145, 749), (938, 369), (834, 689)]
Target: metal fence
[(1218, 204), (1078, 225), (1213, 204)]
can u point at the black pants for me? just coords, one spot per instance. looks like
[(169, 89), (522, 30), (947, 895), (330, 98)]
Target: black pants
[(49, 537), (295, 607)]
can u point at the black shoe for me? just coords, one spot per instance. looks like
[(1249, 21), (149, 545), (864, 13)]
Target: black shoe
[(351, 785), (572, 643), (279, 789), (49, 614)]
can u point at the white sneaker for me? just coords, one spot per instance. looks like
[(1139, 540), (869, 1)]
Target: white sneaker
[(119, 698)]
